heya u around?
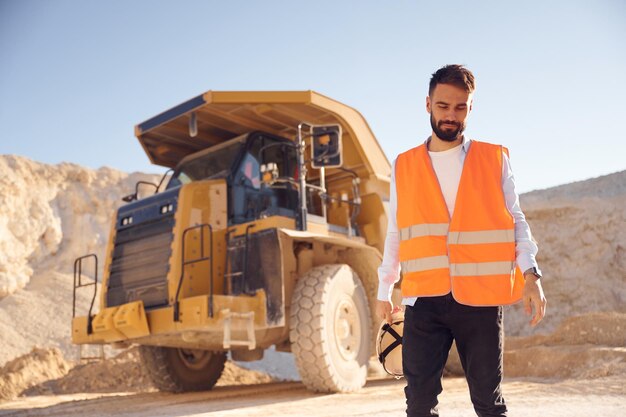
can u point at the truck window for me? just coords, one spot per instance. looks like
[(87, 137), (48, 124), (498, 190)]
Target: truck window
[(278, 152), (210, 165), (251, 171)]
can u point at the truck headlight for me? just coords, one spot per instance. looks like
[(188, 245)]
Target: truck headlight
[(168, 208)]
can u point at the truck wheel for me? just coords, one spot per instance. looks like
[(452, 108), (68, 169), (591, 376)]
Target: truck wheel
[(178, 370), (330, 329)]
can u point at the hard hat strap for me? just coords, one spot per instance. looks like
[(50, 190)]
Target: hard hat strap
[(392, 346)]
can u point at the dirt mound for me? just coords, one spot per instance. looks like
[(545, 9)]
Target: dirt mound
[(40, 315), (29, 370), (124, 373), (598, 328), (565, 361), (236, 375), (605, 329), (587, 346), (118, 374)]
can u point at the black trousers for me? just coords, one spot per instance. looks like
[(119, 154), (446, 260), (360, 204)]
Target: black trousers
[(429, 328)]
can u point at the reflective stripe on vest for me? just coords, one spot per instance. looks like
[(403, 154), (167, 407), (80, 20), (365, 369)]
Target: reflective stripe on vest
[(458, 269), (481, 269), (424, 264), (484, 236), (424, 229)]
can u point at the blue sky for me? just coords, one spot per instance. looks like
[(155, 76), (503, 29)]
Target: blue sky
[(76, 76)]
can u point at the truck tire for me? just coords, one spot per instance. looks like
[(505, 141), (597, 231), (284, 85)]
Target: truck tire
[(330, 329), (179, 370)]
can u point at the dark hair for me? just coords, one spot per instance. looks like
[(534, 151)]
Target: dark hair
[(453, 74)]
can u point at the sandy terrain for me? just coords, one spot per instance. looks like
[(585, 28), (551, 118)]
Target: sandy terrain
[(380, 398), (580, 369)]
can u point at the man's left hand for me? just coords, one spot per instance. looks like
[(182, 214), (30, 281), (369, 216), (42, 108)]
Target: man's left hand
[(534, 299)]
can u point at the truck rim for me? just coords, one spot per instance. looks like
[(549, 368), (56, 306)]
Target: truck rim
[(347, 328), (194, 358)]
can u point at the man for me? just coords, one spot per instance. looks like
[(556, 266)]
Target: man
[(461, 239)]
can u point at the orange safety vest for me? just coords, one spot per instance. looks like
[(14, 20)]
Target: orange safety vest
[(472, 254)]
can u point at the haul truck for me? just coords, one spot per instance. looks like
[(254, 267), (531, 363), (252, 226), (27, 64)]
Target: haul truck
[(268, 233)]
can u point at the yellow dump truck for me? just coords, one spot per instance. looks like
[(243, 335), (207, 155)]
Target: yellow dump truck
[(268, 233)]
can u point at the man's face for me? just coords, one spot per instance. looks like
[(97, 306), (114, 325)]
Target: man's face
[(449, 107)]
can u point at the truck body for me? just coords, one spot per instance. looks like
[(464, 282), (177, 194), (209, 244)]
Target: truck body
[(261, 238)]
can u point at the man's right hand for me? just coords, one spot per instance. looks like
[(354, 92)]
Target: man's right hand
[(384, 310)]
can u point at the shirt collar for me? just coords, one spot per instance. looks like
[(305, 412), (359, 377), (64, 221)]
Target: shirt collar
[(466, 143)]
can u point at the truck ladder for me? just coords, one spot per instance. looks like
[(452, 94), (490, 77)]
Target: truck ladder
[(202, 257)]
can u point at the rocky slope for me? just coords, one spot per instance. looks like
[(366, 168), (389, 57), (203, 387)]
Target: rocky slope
[(50, 214), (581, 231)]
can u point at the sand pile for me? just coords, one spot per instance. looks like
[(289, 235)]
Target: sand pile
[(40, 315), (50, 214), (122, 373), (587, 346), (38, 366), (236, 375), (46, 372), (608, 329)]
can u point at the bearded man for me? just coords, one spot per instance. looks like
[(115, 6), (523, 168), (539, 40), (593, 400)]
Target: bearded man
[(457, 233)]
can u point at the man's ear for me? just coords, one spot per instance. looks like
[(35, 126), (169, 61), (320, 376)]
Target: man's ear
[(471, 104), (428, 104)]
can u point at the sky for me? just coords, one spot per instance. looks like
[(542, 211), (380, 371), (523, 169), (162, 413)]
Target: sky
[(77, 76)]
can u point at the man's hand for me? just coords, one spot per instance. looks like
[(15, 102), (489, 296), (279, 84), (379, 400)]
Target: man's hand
[(384, 310), (534, 299)]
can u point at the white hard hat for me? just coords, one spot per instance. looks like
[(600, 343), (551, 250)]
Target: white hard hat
[(389, 344)]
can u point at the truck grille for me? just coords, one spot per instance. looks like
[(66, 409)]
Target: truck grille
[(140, 263)]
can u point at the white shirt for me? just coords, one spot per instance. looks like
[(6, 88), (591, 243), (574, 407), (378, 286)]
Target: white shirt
[(448, 166)]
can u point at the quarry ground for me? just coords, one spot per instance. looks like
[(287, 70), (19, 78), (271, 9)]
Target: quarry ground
[(381, 397)]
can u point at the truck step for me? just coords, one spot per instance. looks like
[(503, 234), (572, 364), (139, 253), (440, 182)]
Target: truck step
[(248, 319)]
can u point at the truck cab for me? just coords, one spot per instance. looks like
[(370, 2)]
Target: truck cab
[(239, 161)]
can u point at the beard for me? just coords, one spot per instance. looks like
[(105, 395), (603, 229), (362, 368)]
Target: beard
[(446, 135)]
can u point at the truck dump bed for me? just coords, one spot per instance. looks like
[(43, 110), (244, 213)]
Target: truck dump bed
[(223, 115)]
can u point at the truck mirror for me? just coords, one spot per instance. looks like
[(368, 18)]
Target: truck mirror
[(326, 146), (135, 195)]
